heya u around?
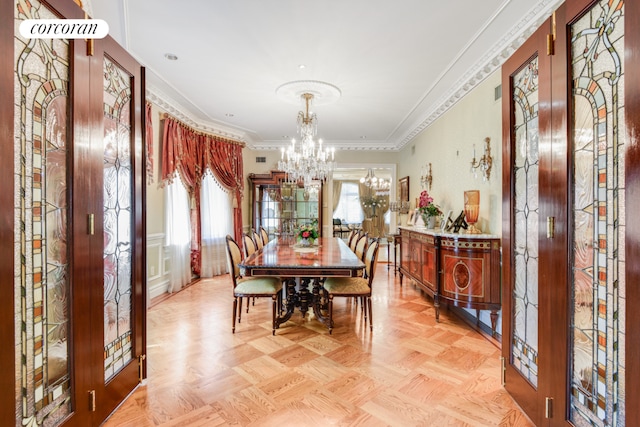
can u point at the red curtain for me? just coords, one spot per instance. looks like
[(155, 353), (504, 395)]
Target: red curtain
[(149, 143), (190, 153)]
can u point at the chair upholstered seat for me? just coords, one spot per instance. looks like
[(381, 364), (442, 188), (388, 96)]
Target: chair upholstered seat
[(358, 287), (250, 286), (352, 286)]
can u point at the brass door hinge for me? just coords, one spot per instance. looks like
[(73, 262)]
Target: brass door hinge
[(91, 224), (551, 227), (551, 38), (503, 371), (90, 45), (141, 359), (92, 400), (548, 407)]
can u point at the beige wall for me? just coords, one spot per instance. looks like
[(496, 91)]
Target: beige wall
[(448, 145)]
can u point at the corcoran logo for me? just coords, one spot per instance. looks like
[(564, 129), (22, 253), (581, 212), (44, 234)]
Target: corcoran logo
[(64, 28)]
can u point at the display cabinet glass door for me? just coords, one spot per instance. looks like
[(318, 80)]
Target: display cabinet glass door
[(280, 207)]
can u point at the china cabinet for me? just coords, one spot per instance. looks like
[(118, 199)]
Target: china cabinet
[(280, 206)]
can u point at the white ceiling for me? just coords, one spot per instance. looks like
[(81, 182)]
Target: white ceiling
[(398, 64)]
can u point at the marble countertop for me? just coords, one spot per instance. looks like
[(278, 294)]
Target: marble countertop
[(437, 232)]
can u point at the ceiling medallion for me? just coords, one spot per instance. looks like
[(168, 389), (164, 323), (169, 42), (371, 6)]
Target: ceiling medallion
[(323, 93)]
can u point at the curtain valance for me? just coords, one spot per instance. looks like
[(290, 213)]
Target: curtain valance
[(190, 152)]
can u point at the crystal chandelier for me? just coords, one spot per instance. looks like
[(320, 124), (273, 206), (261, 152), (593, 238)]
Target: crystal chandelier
[(377, 185), (307, 161)]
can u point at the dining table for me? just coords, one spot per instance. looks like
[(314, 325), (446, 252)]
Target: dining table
[(303, 268)]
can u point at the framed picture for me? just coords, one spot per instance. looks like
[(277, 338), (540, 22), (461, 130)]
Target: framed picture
[(445, 225), (404, 189), (411, 219)]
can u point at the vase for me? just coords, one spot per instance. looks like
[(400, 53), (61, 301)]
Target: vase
[(430, 221), (472, 210), (304, 242)]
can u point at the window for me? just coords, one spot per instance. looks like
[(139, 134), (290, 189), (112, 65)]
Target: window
[(216, 214), (349, 208)]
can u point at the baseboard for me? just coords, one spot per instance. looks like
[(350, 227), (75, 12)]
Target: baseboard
[(158, 289), (481, 328)]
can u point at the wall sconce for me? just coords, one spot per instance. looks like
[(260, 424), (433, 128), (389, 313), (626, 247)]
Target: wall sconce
[(485, 162), (426, 177)]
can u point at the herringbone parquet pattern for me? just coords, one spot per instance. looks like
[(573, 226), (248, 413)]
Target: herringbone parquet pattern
[(410, 371)]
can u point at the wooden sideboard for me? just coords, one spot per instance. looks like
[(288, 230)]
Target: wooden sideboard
[(458, 269)]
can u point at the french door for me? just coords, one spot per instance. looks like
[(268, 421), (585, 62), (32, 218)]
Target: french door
[(72, 224), (565, 241), (526, 155), (117, 159)]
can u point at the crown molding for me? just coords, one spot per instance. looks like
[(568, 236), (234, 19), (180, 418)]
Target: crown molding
[(173, 108), (339, 145), (489, 63)]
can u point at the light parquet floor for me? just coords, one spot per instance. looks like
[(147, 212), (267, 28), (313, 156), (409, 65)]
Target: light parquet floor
[(410, 371)]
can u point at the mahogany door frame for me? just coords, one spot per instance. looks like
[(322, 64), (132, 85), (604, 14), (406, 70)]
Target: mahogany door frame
[(554, 298), (527, 396), (110, 394), (555, 384), (632, 194), (7, 310), (86, 300)]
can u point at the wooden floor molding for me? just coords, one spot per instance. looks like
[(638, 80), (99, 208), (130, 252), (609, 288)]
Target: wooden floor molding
[(410, 371)]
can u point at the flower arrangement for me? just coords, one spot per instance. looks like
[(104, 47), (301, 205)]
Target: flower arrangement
[(374, 202), (426, 206), (307, 231)]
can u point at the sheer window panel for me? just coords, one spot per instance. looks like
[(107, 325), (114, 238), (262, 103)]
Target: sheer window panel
[(178, 233), (216, 212)]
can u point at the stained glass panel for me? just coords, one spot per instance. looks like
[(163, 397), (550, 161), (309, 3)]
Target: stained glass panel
[(41, 210), (117, 219), (597, 329), (524, 351)]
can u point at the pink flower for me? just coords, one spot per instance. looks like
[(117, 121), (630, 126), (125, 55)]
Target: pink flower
[(425, 199), (426, 205), (306, 234)]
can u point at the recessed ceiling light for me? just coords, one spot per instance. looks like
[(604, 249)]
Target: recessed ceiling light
[(171, 56), (302, 66)]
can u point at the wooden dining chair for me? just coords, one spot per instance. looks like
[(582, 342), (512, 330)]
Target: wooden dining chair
[(354, 240), (257, 239), (249, 244), (264, 235), (361, 246), (359, 287), (250, 287), (352, 233)]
